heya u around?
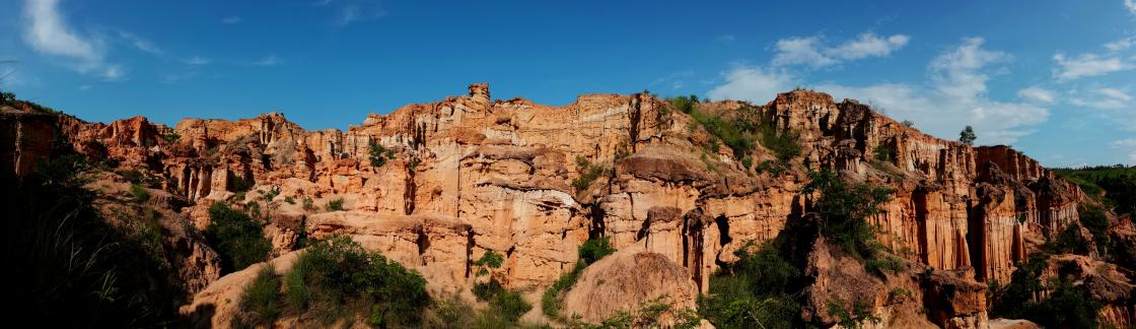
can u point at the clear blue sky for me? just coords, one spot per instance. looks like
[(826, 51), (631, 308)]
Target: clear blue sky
[(1055, 78)]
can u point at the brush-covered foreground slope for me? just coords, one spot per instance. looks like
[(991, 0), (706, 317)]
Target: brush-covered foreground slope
[(686, 188)]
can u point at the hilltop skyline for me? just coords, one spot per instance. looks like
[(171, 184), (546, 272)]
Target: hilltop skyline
[(1054, 79)]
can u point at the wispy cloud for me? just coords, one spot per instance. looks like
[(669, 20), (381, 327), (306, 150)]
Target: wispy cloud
[(812, 51), (1131, 5), (140, 43), (1104, 99), (1037, 95), (347, 12), (955, 96), (197, 60), (270, 60), (725, 38), (1088, 65), (49, 33), (1128, 145), (231, 20)]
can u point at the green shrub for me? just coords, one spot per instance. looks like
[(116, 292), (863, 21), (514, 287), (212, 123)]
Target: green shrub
[(378, 154), (308, 204), (885, 153), (70, 267), (551, 299), (236, 237), (883, 264), (858, 315), (588, 173), (594, 249), (1064, 306), (450, 312), (684, 104), (289, 200), (590, 252), (785, 145), (1068, 241), (844, 209), (485, 291), (261, 301), (334, 205), (240, 184), (139, 193), (509, 304), (336, 278)]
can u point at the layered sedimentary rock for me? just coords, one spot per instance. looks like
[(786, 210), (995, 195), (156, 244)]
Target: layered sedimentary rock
[(470, 174)]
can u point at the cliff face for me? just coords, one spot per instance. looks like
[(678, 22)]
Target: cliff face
[(470, 174)]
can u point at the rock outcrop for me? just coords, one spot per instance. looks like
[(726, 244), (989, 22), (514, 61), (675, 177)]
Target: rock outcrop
[(470, 174), (626, 281)]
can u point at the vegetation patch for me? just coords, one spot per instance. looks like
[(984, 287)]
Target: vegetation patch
[(1066, 305), (589, 172), (845, 208), (336, 279), (647, 315), (261, 300), (1115, 186), (334, 205), (236, 237), (742, 132), (139, 193), (590, 252), (763, 289), (378, 154), (505, 306)]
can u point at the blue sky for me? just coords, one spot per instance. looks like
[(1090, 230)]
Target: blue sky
[(1054, 78)]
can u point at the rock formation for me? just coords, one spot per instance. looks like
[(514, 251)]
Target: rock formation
[(470, 174)]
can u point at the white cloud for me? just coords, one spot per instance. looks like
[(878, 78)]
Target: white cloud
[(869, 45), (1129, 146), (140, 43), (796, 50), (1131, 4), (957, 72), (954, 98), (1088, 65), (231, 20), (50, 34), (753, 84), (813, 52), (270, 60), (1105, 99), (1121, 44), (1037, 95), (351, 11), (197, 60)]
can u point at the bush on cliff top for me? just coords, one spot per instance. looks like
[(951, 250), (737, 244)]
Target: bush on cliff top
[(741, 132), (236, 237)]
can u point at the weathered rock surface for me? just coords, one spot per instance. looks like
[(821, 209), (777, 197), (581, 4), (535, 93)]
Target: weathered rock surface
[(627, 280), (470, 174)]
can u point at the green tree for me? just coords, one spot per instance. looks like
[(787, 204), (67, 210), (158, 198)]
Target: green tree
[(967, 136)]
